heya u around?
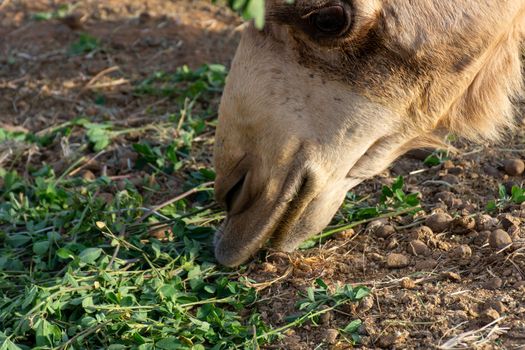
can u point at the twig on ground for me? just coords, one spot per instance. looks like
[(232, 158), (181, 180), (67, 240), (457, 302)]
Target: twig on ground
[(467, 339), (156, 208)]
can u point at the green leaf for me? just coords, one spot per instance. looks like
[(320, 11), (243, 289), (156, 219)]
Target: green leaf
[(311, 295), (255, 9), (321, 283), (518, 195), (64, 253), (41, 247), (502, 192), (491, 205), (90, 255), (18, 240), (353, 327), (398, 183), (361, 293), (169, 343)]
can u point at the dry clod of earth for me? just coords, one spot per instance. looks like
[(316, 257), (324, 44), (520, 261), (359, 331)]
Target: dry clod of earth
[(418, 248), (385, 231), (331, 336), (499, 239), (496, 305), (88, 175), (461, 252), (408, 283), (346, 234), (438, 222), (508, 221), (463, 224), (426, 265), (448, 164), (491, 171), (485, 222), (392, 340), (514, 167), (489, 315), (397, 261), (493, 283), (365, 304), (451, 179), (520, 285), (449, 199), (375, 225), (452, 276)]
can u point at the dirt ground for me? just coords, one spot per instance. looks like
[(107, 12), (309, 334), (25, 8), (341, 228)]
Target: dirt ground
[(445, 279)]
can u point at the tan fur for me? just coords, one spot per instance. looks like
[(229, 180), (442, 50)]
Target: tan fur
[(303, 119)]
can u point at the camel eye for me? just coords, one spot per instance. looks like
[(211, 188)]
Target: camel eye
[(331, 20)]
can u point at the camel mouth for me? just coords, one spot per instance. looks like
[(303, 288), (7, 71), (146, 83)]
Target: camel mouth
[(303, 196), (234, 243)]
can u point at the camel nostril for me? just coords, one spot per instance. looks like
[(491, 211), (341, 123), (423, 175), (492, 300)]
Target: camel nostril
[(233, 194)]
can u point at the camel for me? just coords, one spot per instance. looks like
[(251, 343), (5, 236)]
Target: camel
[(330, 92)]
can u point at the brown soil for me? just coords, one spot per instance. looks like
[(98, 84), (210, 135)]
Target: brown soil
[(431, 286)]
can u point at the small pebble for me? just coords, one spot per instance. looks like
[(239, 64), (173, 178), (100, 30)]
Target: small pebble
[(385, 231), (408, 283), (514, 167), (393, 244), (446, 197), (365, 304), (448, 164), (455, 170), (326, 318), (375, 225), (331, 336), (489, 315), (269, 268), (464, 223), (519, 285), (496, 305), (452, 276), (376, 257), (462, 252), (427, 264), (390, 340), (395, 261), (88, 175), (485, 222), (451, 179), (508, 221), (418, 248), (493, 283), (346, 234), (491, 171), (499, 239), (438, 222)]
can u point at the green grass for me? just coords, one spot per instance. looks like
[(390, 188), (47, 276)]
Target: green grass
[(81, 269)]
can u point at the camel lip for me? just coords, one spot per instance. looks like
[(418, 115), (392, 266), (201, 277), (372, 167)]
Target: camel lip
[(296, 206), (288, 207)]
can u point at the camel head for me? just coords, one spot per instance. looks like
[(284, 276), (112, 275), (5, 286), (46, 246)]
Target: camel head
[(330, 92)]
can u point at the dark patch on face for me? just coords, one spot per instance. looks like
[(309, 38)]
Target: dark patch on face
[(366, 64), (463, 63)]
